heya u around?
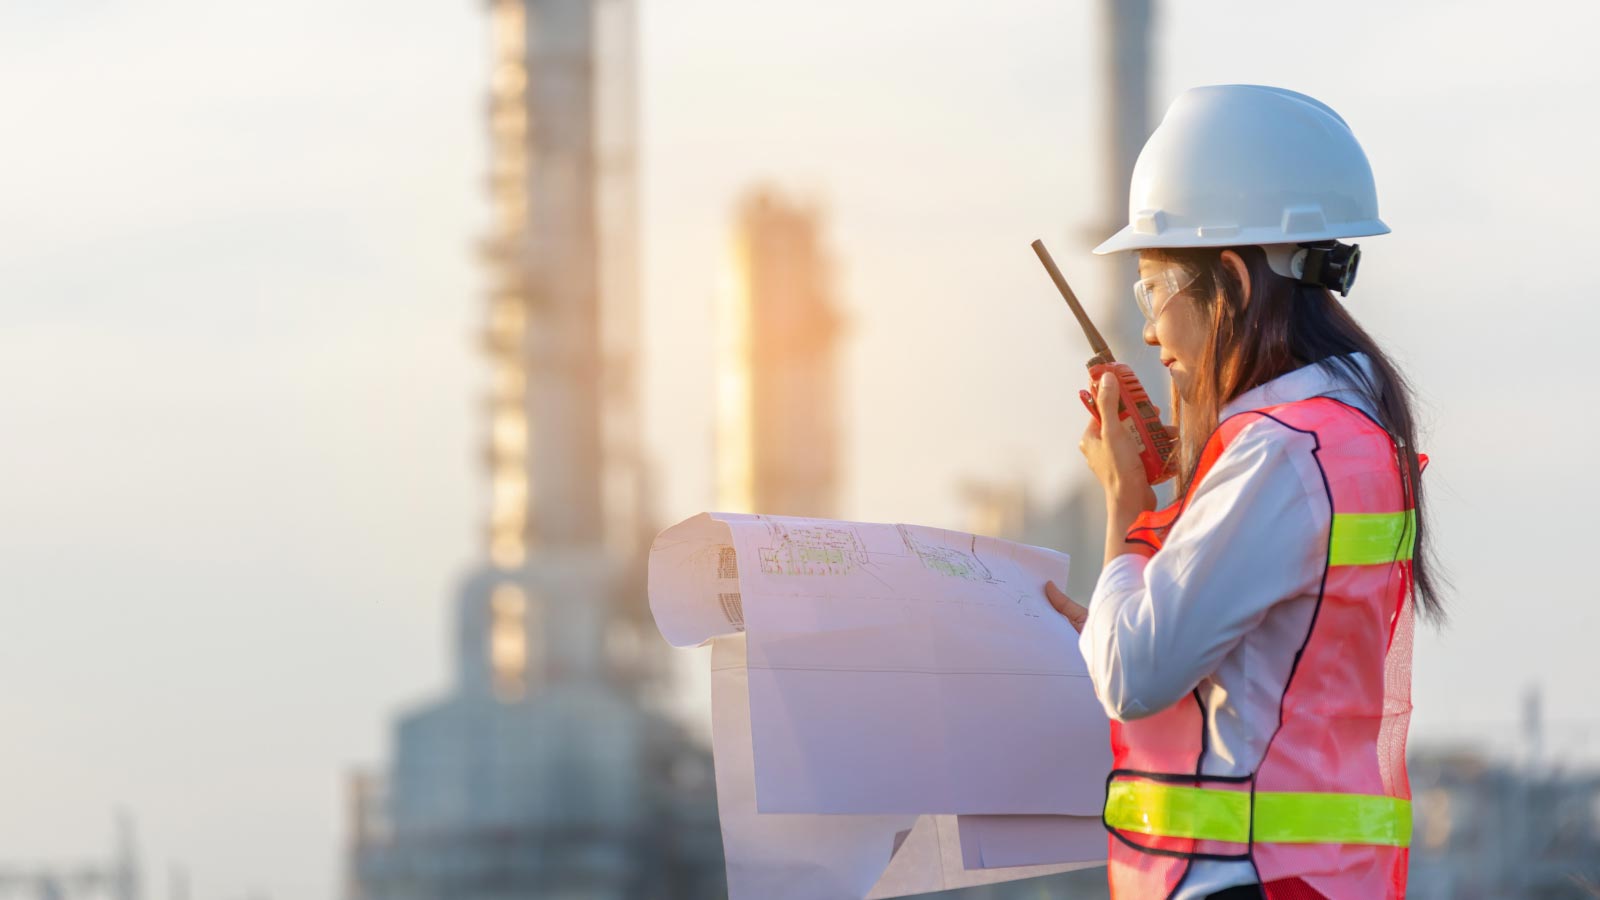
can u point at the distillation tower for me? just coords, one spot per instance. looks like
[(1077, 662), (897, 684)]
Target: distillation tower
[(547, 769), (779, 325)]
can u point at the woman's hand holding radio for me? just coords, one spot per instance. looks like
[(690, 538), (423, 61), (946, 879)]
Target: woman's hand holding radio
[(1113, 454)]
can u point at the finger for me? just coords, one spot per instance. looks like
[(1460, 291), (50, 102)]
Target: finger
[(1055, 595), (1107, 395), (1058, 599), (1088, 403), (1074, 614)]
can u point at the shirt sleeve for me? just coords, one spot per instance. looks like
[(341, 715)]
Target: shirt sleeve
[(1254, 533)]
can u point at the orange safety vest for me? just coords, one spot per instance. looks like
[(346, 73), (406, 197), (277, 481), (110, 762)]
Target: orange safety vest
[(1327, 810)]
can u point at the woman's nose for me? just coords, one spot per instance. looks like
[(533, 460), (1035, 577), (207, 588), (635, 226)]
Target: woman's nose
[(1150, 333)]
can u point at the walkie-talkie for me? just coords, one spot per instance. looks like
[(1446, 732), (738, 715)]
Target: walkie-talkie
[(1157, 446)]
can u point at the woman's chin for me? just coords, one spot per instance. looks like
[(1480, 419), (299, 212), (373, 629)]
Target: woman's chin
[(1180, 384)]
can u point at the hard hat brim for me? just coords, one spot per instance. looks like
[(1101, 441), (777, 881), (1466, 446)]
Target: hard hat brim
[(1131, 239)]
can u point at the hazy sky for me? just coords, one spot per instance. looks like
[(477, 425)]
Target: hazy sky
[(238, 458)]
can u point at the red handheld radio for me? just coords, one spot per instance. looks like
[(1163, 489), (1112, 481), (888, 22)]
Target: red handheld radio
[(1144, 421)]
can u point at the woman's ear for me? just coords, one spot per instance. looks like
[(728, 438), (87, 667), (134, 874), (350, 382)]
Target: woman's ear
[(1240, 273)]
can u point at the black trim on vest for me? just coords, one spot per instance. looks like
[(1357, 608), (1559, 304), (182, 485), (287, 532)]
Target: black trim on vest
[(1316, 613), (1173, 778), (1199, 764)]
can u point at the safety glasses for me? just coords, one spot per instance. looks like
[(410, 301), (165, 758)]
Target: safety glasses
[(1154, 292)]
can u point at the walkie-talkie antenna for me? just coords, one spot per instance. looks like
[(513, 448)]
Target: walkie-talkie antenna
[(1096, 342)]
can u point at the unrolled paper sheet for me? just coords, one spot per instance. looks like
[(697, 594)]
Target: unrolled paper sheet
[(894, 673)]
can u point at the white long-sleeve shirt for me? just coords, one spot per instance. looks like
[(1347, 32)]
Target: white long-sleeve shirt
[(1222, 608)]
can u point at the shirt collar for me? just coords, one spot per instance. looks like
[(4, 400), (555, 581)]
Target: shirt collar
[(1305, 382)]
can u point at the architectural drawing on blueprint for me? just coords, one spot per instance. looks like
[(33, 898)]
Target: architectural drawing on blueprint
[(949, 561), (812, 549)]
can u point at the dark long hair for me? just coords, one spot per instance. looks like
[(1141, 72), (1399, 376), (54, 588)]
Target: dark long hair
[(1287, 325)]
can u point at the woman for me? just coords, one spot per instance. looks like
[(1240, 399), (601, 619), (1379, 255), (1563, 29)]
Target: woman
[(1252, 641)]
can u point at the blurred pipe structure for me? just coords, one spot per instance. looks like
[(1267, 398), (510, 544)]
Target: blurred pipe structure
[(1076, 522), (116, 879), (1491, 828)]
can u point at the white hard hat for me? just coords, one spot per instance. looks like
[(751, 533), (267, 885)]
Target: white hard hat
[(1236, 164)]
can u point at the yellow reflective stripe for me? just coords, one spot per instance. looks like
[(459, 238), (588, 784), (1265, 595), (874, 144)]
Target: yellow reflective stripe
[(1368, 539), (1170, 810), (1282, 817), (1305, 818)]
